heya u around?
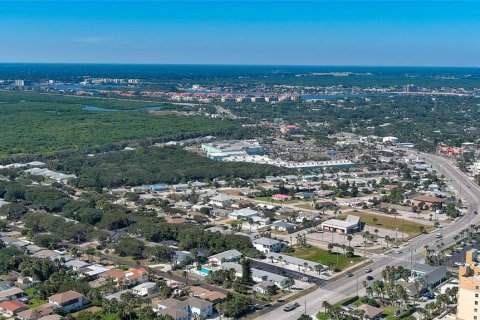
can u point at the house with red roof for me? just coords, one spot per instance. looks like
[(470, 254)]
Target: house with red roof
[(10, 308)]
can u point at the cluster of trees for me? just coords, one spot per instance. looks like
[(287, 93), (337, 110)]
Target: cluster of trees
[(235, 306), (433, 309), (192, 237), (28, 119), (39, 222), (153, 165), (130, 307), (46, 198)]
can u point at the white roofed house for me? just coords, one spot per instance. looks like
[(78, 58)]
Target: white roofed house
[(301, 264), (192, 308), (244, 214), (266, 245), (221, 200), (226, 256), (283, 226), (258, 275), (144, 289)]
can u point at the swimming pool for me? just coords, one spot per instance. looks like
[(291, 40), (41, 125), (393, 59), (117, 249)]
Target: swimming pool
[(205, 271)]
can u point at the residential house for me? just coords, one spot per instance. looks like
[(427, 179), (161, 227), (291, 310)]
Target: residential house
[(301, 264), (244, 214), (145, 289), (266, 245), (76, 264), (226, 256), (221, 200), (257, 275), (262, 287), (12, 293), (141, 189), (205, 294), (132, 276), (281, 197), (37, 312), (11, 308), (371, 312), (283, 226), (199, 308), (68, 301), (192, 308)]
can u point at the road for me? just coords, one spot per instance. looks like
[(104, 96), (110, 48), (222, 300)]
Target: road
[(337, 290)]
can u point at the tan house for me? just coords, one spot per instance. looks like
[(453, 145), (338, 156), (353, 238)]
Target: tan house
[(68, 301)]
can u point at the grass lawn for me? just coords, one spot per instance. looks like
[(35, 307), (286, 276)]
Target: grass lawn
[(391, 223), (322, 316), (322, 256), (389, 313), (34, 302), (269, 199)]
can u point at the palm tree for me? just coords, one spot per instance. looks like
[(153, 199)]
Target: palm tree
[(326, 306), (387, 239), (185, 276), (349, 239), (250, 223)]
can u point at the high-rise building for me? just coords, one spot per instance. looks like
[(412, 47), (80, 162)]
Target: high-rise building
[(469, 288), (20, 83)]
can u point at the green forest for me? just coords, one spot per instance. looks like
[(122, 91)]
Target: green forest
[(39, 124), (153, 165)]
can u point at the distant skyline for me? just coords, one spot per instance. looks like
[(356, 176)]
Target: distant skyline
[(364, 33)]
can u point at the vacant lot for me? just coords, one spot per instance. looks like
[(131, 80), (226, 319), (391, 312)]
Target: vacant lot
[(321, 256), (391, 223)]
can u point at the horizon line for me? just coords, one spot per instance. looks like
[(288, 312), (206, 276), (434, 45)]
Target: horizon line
[(239, 64)]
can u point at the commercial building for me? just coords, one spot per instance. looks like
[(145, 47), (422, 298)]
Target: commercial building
[(224, 149), (429, 276), (351, 224), (468, 307)]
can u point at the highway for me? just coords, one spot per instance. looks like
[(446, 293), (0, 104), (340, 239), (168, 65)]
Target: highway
[(337, 290)]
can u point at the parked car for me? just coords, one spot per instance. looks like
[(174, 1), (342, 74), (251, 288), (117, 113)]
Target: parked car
[(350, 274), (369, 278), (290, 307)]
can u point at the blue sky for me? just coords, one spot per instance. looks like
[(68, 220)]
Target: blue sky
[(414, 33)]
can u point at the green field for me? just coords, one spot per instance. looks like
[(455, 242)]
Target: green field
[(391, 223), (321, 256), (40, 124)]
